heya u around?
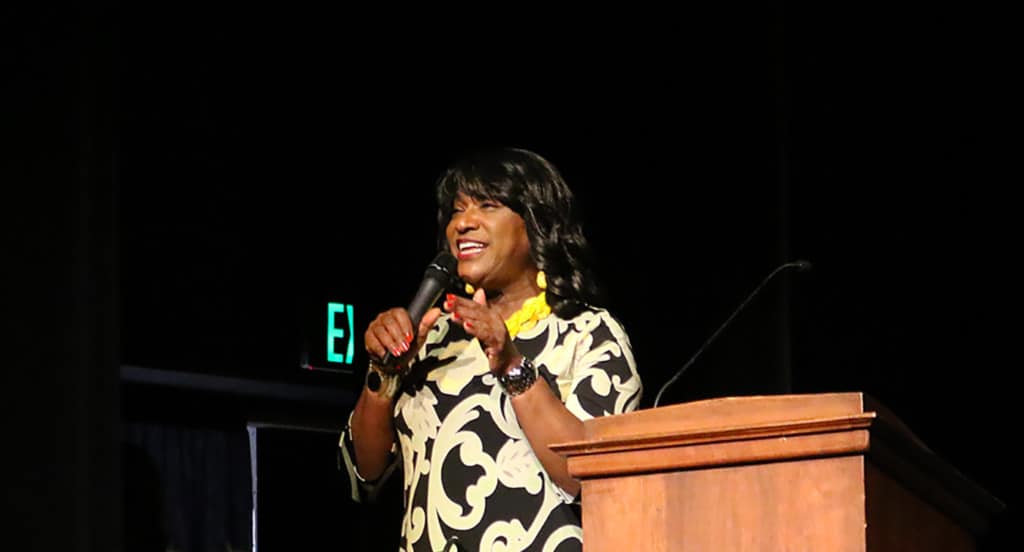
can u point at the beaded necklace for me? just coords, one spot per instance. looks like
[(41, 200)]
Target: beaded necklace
[(533, 310)]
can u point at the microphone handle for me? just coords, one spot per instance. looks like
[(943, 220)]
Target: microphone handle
[(428, 294), (801, 265), (435, 279)]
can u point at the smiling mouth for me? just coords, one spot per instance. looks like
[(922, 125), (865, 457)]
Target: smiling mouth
[(469, 249)]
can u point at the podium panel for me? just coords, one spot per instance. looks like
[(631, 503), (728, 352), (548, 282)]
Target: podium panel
[(790, 473)]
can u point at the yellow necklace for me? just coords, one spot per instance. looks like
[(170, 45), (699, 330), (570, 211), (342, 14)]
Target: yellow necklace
[(533, 310)]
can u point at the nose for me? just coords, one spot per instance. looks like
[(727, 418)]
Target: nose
[(465, 221)]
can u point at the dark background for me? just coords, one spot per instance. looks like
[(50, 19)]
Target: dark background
[(199, 181)]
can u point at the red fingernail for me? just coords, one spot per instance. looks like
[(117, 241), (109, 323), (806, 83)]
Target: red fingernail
[(447, 306), (450, 297), (408, 338), (455, 316), (396, 352), (467, 326)]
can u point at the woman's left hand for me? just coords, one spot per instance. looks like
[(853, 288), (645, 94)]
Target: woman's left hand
[(484, 323)]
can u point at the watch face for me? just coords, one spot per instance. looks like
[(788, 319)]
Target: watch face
[(519, 378), (373, 381), (524, 366)]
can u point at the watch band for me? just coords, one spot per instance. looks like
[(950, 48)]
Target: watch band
[(519, 378)]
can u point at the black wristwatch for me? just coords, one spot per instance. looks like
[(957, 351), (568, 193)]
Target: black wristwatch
[(519, 378), (382, 383)]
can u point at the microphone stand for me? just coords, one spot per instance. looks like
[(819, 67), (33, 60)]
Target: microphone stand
[(800, 265)]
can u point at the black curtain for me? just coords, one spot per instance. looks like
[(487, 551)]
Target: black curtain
[(59, 299), (186, 488)]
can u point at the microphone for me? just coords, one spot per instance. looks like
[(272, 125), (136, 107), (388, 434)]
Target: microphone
[(800, 265), (436, 278)]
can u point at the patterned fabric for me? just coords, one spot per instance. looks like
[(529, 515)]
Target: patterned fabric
[(470, 474)]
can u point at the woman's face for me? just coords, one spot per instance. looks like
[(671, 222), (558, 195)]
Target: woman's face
[(490, 242)]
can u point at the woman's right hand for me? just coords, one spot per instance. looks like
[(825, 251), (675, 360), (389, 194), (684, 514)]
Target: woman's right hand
[(392, 332)]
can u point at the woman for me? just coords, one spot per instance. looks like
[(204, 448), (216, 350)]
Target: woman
[(484, 384)]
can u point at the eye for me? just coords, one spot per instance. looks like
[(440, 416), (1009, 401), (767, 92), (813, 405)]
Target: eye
[(490, 204)]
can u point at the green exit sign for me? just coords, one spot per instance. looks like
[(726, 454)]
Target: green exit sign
[(340, 336)]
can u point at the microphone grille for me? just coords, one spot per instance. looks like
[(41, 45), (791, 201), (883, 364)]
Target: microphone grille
[(445, 262)]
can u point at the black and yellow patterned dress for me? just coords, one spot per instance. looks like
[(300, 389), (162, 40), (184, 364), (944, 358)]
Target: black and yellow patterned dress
[(470, 474)]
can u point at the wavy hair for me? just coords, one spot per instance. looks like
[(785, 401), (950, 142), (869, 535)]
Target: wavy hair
[(532, 187)]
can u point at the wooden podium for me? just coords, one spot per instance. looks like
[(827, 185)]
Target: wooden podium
[(818, 473)]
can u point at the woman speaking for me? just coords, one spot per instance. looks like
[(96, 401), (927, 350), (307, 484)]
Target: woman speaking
[(468, 400)]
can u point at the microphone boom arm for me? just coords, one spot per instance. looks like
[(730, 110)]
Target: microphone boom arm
[(801, 265)]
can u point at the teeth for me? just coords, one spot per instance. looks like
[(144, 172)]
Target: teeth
[(470, 245)]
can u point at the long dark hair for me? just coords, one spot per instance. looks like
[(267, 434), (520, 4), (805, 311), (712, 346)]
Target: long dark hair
[(532, 187)]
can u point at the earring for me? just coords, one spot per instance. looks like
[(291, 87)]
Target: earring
[(469, 288), (542, 281)]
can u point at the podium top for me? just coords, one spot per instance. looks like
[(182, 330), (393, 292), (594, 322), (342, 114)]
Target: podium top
[(727, 412)]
